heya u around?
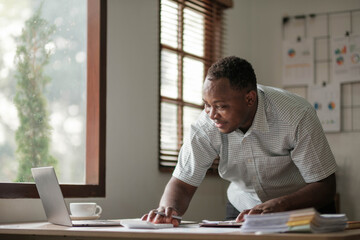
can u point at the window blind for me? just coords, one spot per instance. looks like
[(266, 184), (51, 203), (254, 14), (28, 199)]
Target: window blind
[(191, 39)]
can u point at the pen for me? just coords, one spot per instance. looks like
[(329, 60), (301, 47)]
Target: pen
[(163, 214)]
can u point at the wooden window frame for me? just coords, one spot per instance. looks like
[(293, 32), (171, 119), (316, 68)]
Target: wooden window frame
[(212, 51), (96, 115)]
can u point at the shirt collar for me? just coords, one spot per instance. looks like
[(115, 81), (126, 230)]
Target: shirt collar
[(260, 122)]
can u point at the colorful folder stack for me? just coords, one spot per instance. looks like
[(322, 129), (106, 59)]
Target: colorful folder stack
[(303, 220)]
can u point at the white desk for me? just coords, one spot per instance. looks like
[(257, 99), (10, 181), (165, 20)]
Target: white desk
[(44, 230)]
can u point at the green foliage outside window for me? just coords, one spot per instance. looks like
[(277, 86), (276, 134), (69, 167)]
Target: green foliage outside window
[(33, 136)]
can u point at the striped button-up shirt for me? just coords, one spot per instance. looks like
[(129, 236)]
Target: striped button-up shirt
[(284, 149)]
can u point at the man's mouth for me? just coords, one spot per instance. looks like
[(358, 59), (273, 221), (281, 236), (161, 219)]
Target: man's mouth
[(219, 124)]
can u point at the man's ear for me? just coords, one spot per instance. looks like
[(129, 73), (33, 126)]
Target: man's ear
[(251, 97)]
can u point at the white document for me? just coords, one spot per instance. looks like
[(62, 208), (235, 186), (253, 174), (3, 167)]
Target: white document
[(298, 63), (140, 224), (346, 58), (326, 101)]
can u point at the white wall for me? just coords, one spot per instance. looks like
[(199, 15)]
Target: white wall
[(134, 184)]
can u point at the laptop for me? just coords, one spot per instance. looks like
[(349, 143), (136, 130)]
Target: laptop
[(53, 201)]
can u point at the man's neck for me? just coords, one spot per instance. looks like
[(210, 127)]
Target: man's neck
[(252, 114)]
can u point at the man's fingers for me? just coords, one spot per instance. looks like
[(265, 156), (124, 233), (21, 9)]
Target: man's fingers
[(240, 218), (255, 211), (151, 217), (144, 217), (169, 211), (175, 222), (159, 219), (162, 215)]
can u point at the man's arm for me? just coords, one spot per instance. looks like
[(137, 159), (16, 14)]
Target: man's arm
[(174, 201), (317, 194)]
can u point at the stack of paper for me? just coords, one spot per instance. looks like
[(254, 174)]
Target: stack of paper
[(304, 220)]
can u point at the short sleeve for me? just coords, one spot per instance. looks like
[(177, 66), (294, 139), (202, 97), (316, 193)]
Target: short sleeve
[(196, 157), (312, 154)]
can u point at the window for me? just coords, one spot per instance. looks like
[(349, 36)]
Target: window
[(90, 57), (191, 37)]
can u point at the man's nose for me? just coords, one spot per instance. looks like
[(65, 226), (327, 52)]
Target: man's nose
[(212, 113)]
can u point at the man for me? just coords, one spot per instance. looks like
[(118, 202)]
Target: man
[(271, 146)]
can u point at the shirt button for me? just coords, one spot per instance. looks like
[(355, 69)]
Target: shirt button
[(249, 160)]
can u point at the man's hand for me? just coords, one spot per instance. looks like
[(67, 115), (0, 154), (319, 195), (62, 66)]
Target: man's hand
[(273, 205), (316, 194), (162, 215), (174, 202)]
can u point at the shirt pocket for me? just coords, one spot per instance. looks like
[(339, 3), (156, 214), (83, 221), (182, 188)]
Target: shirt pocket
[(274, 170)]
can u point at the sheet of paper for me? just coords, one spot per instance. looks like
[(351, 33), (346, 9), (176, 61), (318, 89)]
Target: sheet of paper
[(298, 63), (187, 228), (207, 223), (326, 101), (139, 224), (345, 58)]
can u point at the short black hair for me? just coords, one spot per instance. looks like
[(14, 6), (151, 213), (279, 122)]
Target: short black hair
[(239, 72)]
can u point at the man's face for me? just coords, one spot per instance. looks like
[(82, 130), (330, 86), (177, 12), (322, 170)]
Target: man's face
[(229, 109)]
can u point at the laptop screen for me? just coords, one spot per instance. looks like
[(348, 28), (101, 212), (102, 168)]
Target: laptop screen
[(51, 196)]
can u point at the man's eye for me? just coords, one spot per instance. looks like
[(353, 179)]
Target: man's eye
[(220, 107)]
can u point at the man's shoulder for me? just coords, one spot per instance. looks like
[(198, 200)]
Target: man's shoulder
[(288, 106), (205, 124), (281, 94), (204, 131)]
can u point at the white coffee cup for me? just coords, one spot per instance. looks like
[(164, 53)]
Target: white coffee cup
[(85, 209)]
